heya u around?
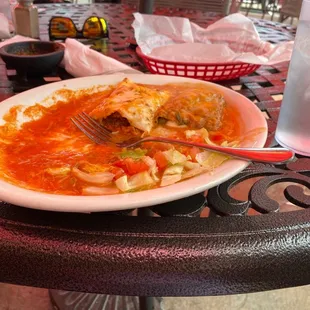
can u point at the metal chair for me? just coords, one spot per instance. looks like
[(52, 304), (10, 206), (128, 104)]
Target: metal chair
[(51, 1), (220, 6), (261, 6), (290, 8)]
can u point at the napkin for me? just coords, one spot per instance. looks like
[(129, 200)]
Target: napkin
[(234, 38), (4, 27), (79, 60), (16, 38)]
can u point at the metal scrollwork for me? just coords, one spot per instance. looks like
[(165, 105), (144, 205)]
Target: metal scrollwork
[(298, 172)]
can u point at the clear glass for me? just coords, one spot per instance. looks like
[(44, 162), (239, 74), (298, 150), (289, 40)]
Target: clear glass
[(293, 130)]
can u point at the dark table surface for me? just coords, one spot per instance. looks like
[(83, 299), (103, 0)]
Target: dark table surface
[(241, 236)]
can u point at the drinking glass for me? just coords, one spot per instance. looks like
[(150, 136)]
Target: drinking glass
[(293, 130)]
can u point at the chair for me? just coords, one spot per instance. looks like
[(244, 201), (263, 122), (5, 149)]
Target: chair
[(51, 1), (290, 8), (219, 6), (261, 6)]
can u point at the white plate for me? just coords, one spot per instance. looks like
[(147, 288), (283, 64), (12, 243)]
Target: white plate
[(251, 115)]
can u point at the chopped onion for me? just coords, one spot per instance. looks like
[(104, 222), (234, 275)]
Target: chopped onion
[(102, 178), (153, 167), (93, 191), (149, 161), (189, 165), (210, 160), (203, 157), (141, 179), (175, 157), (203, 133), (172, 175), (193, 172), (175, 169), (170, 179), (122, 183)]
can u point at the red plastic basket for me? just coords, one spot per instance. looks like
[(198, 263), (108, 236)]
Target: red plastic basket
[(201, 71)]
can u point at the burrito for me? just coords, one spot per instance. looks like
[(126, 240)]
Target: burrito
[(130, 104)]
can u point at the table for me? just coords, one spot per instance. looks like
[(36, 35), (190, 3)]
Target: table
[(214, 243)]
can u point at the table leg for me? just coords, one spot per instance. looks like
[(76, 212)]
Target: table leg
[(146, 303), (145, 212), (64, 300)]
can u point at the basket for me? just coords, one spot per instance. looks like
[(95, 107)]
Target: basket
[(201, 71)]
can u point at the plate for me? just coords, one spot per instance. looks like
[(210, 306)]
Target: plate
[(250, 114)]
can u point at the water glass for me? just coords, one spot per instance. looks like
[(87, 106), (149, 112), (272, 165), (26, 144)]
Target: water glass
[(293, 130)]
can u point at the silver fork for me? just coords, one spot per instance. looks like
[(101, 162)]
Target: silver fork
[(101, 135)]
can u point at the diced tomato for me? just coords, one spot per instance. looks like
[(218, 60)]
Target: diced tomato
[(193, 151), (161, 160), (131, 166), (217, 138), (119, 172)]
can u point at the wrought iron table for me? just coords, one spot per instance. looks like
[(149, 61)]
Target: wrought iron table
[(236, 238)]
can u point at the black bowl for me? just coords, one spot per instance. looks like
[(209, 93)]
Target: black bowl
[(32, 57)]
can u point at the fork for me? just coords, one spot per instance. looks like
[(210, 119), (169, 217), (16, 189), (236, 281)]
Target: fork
[(101, 135)]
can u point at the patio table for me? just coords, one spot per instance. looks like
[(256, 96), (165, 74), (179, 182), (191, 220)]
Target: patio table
[(239, 237)]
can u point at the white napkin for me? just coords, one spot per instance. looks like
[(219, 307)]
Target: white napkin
[(4, 27), (80, 60), (234, 38), (16, 38)]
